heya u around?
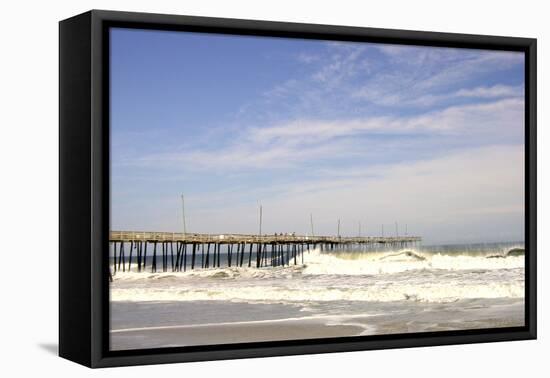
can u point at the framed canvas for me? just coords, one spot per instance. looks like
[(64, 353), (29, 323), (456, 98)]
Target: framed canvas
[(235, 188)]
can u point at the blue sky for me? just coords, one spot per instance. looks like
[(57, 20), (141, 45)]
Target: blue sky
[(370, 133)]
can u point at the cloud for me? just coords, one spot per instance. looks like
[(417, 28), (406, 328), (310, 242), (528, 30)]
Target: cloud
[(426, 100), (445, 60), (358, 79), (458, 197), (425, 76), (495, 91), (301, 141), (432, 137), (307, 58), (343, 64), (280, 90), (467, 196)]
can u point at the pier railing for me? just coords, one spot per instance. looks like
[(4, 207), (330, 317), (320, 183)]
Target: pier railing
[(128, 236), (205, 250)]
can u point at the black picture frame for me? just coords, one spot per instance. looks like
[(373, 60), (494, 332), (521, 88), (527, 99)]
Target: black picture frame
[(84, 188)]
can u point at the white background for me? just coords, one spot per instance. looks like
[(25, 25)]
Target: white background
[(29, 185)]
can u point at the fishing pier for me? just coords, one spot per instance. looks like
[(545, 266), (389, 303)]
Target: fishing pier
[(179, 252)]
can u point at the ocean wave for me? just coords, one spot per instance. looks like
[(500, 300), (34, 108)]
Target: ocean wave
[(382, 292), (373, 263), (403, 256), (403, 275), (226, 273), (515, 252), (351, 263)]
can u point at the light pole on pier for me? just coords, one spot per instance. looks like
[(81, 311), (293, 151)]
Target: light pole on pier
[(183, 214), (260, 220)]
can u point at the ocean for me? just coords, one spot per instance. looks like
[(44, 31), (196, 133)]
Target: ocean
[(340, 293)]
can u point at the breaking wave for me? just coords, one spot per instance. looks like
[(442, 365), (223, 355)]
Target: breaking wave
[(372, 263), (401, 275), (379, 292)]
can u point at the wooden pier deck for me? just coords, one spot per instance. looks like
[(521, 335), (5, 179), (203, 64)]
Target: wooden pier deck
[(251, 250), (128, 236)]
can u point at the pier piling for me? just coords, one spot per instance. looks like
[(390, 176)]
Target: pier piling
[(267, 250)]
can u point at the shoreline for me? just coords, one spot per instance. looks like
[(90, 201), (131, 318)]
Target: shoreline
[(429, 318), (229, 333), (327, 320)]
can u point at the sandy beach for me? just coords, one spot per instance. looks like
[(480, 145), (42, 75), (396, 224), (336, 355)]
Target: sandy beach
[(228, 333), (416, 317)]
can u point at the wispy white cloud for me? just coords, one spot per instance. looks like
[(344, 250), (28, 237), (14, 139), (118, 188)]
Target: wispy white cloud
[(428, 136), (307, 58), (281, 90), (472, 195), (425, 76), (426, 100), (448, 59), (340, 65), (292, 143), (495, 91), (351, 78)]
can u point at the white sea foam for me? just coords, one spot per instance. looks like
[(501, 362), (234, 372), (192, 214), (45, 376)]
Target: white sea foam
[(349, 263), (399, 261), (213, 273), (407, 275), (381, 293)]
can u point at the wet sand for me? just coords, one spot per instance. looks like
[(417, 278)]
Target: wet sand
[(228, 333), (416, 318)]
